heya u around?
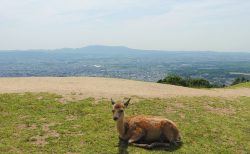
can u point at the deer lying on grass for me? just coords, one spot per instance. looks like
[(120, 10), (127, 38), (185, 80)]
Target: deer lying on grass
[(145, 131)]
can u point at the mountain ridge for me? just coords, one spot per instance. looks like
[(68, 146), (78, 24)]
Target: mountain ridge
[(106, 47)]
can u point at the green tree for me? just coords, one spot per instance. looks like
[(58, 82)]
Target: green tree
[(174, 80), (187, 82)]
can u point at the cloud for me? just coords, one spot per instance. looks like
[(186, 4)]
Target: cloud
[(65, 11), (148, 24)]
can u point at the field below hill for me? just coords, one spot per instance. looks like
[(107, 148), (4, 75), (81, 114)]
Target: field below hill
[(73, 115)]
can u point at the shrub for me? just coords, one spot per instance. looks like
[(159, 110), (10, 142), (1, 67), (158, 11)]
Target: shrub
[(187, 82), (173, 79)]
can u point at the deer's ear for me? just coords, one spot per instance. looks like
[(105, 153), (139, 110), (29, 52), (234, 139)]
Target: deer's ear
[(112, 101), (127, 102)]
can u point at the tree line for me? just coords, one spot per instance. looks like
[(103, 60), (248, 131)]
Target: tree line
[(195, 82)]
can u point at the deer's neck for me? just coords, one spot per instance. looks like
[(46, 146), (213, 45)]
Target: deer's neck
[(121, 127)]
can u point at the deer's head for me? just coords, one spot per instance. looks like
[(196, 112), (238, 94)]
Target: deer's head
[(118, 109)]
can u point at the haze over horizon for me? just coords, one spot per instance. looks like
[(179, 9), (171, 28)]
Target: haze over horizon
[(117, 47), (169, 25)]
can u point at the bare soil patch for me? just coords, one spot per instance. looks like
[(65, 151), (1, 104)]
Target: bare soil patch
[(71, 117), (47, 133), (221, 111), (77, 88), (25, 126)]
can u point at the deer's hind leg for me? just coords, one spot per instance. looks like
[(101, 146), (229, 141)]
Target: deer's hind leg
[(152, 145), (137, 134), (158, 144), (171, 134)]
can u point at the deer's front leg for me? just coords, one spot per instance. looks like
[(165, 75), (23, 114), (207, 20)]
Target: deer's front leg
[(137, 134)]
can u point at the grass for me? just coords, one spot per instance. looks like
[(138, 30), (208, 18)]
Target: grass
[(241, 85), (39, 123)]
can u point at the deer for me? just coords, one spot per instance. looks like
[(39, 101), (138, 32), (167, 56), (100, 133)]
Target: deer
[(144, 131)]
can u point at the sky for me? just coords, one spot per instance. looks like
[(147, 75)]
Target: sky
[(173, 25)]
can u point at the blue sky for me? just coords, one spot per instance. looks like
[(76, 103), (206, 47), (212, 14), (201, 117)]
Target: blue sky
[(218, 25)]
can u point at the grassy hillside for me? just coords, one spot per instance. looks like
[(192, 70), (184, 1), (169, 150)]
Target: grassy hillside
[(41, 123), (241, 85)]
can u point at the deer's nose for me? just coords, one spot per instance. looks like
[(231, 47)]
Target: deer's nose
[(115, 118)]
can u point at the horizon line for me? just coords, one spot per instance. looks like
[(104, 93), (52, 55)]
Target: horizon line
[(120, 46)]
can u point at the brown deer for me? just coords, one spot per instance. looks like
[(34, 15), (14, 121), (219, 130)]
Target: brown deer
[(144, 131)]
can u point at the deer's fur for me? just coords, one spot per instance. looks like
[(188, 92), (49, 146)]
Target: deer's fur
[(144, 131)]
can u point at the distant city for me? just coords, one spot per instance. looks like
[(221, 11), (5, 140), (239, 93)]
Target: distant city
[(121, 62)]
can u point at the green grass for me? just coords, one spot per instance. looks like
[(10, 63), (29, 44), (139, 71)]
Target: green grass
[(38, 123), (241, 85)]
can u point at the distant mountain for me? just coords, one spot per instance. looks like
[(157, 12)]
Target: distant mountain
[(123, 62)]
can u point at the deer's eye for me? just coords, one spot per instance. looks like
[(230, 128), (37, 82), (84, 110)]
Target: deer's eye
[(113, 111), (121, 111)]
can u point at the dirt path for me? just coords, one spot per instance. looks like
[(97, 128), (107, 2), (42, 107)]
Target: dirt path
[(82, 87)]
